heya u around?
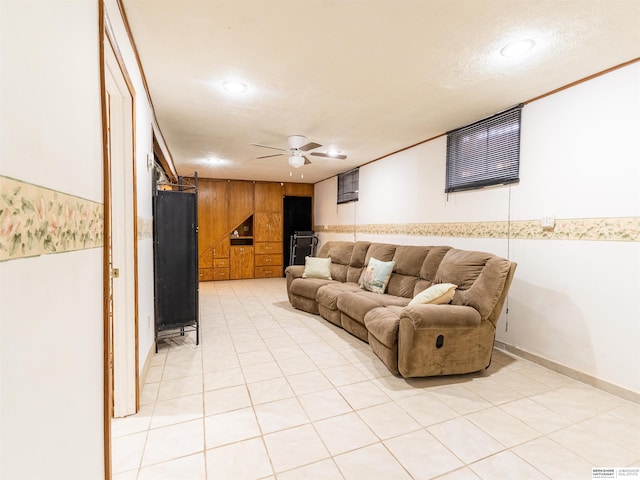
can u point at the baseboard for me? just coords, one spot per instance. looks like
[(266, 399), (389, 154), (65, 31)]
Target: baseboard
[(571, 373), (142, 378)]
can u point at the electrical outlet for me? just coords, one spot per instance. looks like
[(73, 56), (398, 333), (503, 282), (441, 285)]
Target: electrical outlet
[(548, 222)]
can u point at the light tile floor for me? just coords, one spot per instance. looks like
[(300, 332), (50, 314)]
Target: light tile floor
[(275, 393)]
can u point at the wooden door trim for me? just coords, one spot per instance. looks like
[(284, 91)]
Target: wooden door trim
[(134, 200), (106, 188)]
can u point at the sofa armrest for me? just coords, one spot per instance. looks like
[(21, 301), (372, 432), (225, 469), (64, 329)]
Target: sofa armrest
[(294, 271), (439, 316)]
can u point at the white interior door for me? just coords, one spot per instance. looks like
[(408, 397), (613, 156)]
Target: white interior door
[(123, 307)]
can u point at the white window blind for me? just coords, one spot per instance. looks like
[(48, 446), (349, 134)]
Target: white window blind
[(485, 153), (348, 186)]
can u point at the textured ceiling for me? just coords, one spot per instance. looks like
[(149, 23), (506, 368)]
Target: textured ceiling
[(365, 77)]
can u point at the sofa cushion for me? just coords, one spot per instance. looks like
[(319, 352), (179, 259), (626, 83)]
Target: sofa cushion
[(401, 285), (357, 262), (383, 323), (376, 276), (429, 268), (357, 304), (308, 287), (340, 254), (437, 294), (480, 278), (327, 295), (317, 267), (408, 261), (359, 254), (382, 251)]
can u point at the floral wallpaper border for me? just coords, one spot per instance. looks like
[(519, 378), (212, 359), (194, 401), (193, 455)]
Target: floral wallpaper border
[(623, 229), (35, 220)]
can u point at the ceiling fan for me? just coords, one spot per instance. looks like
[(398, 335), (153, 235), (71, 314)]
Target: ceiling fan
[(298, 144)]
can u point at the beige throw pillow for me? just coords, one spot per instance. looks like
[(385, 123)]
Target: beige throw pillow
[(437, 294), (316, 267)]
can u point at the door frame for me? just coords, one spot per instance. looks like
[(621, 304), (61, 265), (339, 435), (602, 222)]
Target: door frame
[(120, 240)]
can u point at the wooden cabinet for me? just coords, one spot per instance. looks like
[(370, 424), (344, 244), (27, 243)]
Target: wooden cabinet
[(255, 209), (212, 213), (241, 262), (213, 231), (268, 272), (221, 249), (298, 189), (264, 248), (268, 260), (268, 197), (267, 231), (267, 227), (205, 260), (239, 204), (221, 269), (205, 274)]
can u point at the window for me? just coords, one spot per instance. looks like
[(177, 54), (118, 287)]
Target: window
[(485, 153), (348, 186)]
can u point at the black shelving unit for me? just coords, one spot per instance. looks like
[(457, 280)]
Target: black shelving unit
[(175, 260)]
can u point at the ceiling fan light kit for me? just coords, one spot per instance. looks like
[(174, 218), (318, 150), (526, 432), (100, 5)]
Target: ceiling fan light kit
[(296, 141), (296, 161)]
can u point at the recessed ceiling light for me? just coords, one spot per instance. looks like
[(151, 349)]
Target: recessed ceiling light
[(518, 48), (233, 86), (214, 161), (332, 152)]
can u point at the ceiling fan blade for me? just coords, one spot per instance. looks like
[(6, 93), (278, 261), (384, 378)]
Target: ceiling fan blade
[(326, 155), (269, 156), (309, 146), (306, 160), (267, 146)]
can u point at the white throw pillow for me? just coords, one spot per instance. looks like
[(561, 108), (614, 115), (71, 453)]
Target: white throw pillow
[(437, 294), (316, 267)]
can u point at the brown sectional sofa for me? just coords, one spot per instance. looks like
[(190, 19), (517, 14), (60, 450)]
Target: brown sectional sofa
[(411, 340)]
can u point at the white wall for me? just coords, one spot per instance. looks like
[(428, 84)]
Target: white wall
[(51, 344), (51, 315), (575, 302)]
